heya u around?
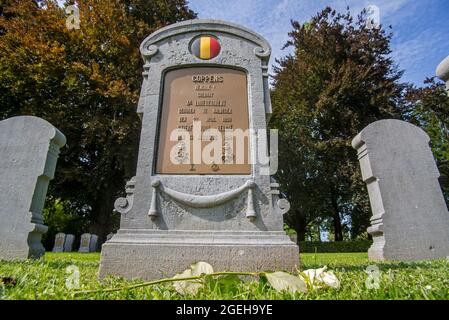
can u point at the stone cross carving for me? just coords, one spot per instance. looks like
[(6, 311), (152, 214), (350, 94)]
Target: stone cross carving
[(29, 148), (410, 219)]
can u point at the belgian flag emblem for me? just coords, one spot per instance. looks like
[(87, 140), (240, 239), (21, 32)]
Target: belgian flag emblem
[(205, 47)]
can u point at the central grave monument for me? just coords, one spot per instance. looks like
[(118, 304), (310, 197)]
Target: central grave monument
[(203, 79)]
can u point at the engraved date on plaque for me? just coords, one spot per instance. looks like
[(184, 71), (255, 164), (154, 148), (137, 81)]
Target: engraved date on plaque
[(200, 107)]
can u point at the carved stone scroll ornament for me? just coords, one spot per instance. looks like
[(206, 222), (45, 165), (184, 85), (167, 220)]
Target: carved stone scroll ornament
[(149, 51), (281, 205), (262, 52), (195, 201), (124, 205)]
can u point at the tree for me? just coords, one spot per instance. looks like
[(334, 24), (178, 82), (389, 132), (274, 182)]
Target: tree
[(428, 108), (86, 82), (339, 79)]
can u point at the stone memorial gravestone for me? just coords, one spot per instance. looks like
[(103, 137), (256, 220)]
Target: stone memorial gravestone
[(202, 79), (68, 245), (410, 219), (88, 243), (29, 149), (59, 242), (63, 242)]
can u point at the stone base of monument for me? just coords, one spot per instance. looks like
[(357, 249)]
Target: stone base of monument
[(149, 255)]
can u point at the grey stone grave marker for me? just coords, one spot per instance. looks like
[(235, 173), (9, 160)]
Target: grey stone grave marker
[(59, 242), (29, 149), (176, 213), (88, 243), (410, 219), (63, 242), (68, 245)]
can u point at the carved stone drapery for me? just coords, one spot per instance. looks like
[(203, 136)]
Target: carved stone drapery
[(196, 201)]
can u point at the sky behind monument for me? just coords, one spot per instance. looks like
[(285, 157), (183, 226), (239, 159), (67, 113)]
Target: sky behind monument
[(420, 39)]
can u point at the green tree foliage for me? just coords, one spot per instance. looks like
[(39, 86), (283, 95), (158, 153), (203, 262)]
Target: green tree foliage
[(60, 216), (86, 82), (428, 108), (339, 79)]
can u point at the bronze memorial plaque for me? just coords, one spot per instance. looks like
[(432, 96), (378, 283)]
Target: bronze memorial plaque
[(195, 100)]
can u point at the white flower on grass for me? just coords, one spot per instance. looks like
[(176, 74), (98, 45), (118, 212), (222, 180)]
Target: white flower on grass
[(192, 286), (319, 278), (429, 287)]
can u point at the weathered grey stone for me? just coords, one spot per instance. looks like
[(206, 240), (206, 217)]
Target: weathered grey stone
[(59, 242), (442, 71), (68, 245), (294, 238), (109, 236), (168, 222), (29, 149), (63, 242), (410, 219), (88, 243)]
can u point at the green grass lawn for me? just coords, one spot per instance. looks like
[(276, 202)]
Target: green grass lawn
[(47, 278)]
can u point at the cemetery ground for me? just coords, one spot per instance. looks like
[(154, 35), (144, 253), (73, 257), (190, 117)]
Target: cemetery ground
[(48, 278)]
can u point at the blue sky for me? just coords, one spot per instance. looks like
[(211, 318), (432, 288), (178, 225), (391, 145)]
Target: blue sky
[(420, 27)]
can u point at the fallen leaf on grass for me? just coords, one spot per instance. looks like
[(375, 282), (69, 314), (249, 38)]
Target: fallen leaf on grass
[(283, 281)]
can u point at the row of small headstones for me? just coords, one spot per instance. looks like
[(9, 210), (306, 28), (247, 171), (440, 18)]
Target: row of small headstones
[(88, 243)]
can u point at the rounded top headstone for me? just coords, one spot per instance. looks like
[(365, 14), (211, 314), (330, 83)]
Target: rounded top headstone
[(207, 28), (375, 129), (442, 71), (38, 129)]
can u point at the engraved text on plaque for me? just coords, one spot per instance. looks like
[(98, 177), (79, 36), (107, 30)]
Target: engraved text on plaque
[(204, 102)]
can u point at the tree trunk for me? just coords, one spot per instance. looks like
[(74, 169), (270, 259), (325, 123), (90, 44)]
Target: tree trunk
[(297, 221), (338, 230), (301, 233), (300, 227)]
